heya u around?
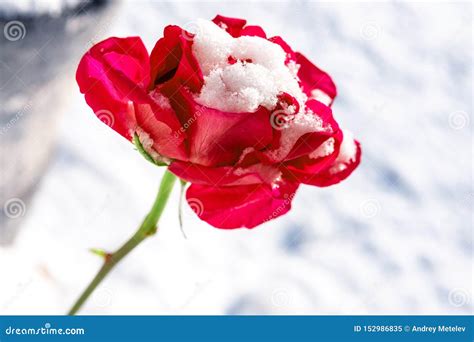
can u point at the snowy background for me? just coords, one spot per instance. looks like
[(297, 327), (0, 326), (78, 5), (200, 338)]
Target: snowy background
[(395, 238)]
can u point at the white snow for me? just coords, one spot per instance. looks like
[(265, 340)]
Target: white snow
[(347, 152), (325, 149), (296, 127), (321, 96), (256, 78), (147, 143), (160, 99)]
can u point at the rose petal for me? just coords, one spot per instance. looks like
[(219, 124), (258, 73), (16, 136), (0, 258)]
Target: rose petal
[(173, 64), (114, 76), (217, 138), (112, 73), (309, 142), (316, 83), (233, 26), (290, 54), (253, 30), (236, 27), (162, 126), (214, 176), (298, 137), (240, 206), (327, 170)]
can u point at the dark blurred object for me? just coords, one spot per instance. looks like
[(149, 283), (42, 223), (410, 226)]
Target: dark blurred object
[(38, 53)]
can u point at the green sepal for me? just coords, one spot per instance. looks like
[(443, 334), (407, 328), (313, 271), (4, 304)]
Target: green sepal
[(144, 153)]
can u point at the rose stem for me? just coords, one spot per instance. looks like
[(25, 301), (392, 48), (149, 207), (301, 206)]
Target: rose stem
[(147, 228)]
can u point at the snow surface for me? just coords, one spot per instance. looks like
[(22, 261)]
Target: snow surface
[(395, 238)]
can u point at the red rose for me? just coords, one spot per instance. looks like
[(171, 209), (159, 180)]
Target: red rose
[(240, 116)]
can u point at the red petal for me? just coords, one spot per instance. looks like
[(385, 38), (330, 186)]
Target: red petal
[(316, 83), (327, 170), (296, 140), (218, 138), (290, 54), (335, 174), (112, 73), (311, 141), (214, 176), (236, 27), (163, 128), (240, 206), (114, 76), (173, 63), (233, 26), (253, 30)]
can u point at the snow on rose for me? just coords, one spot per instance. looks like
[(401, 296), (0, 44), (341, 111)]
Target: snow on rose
[(242, 117)]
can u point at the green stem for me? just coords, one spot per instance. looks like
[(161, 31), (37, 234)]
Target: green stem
[(147, 228)]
